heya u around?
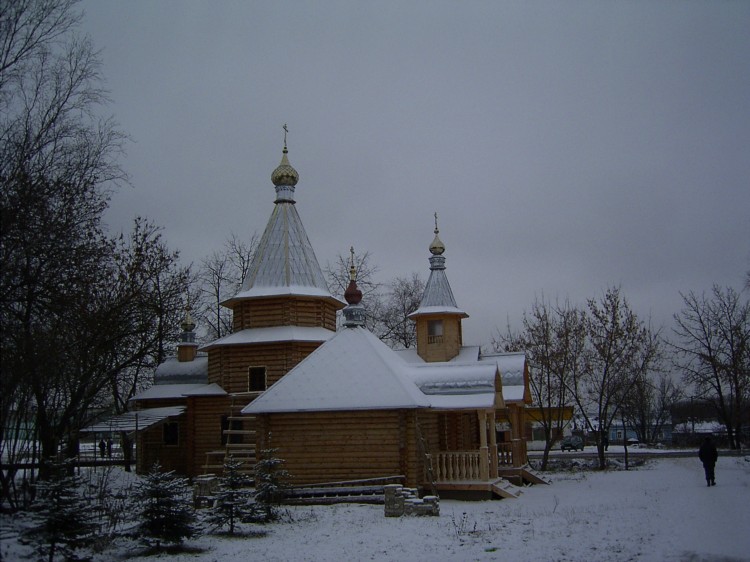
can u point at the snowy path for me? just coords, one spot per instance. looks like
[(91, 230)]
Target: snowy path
[(662, 512)]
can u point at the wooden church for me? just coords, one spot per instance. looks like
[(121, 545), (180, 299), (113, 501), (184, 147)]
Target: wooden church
[(336, 405)]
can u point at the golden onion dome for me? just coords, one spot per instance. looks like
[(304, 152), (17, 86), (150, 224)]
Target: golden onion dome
[(437, 247), (284, 174)]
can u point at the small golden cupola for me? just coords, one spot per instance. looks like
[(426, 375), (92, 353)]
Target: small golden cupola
[(187, 348)]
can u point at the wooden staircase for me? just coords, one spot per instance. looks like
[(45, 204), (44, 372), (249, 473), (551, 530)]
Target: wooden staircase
[(238, 436), (532, 476), (505, 489)]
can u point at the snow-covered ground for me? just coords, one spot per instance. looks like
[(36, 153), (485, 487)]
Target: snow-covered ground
[(660, 511)]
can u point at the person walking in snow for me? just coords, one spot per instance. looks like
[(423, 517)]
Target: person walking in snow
[(708, 455)]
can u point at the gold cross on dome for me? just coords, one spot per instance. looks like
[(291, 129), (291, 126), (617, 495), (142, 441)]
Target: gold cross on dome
[(286, 130)]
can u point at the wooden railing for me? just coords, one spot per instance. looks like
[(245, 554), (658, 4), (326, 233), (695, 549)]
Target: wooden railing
[(505, 454), (458, 465), (512, 454)]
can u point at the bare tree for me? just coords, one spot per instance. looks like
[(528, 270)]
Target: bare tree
[(392, 322), (57, 160), (28, 29), (648, 406), (620, 350), (337, 277), (220, 278), (713, 349), (553, 338)]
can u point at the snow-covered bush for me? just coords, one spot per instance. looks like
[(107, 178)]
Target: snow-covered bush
[(271, 482), (232, 500), (164, 506), (63, 522)]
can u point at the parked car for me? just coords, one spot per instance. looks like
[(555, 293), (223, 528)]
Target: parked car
[(571, 443)]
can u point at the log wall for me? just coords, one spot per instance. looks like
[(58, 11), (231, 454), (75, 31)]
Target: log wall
[(333, 446), (451, 342), (284, 311), (228, 366), (150, 449), (204, 429)]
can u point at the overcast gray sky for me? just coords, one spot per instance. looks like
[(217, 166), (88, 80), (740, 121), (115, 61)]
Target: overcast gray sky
[(566, 146)]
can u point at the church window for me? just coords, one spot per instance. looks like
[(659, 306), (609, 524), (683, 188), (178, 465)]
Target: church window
[(256, 379), (171, 433), (435, 331)]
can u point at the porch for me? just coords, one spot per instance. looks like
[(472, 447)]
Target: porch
[(493, 468)]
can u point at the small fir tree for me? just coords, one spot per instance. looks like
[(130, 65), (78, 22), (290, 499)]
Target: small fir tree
[(232, 498), (65, 524), (165, 508), (271, 483)]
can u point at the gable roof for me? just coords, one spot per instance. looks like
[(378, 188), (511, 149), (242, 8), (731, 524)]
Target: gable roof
[(513, 368), (352, 371)]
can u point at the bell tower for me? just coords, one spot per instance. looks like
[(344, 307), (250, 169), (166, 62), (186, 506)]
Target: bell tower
[(438, 318)]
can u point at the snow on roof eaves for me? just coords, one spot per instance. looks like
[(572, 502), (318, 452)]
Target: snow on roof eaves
[(166, 391), (172, 368), (273, 334), (135, 420), (212, 389), (425, 310), (161, 391), (258, 292), (477, 401), (452, 378)]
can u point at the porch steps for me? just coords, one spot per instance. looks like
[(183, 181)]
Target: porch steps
[(505, 489), (528, 474)]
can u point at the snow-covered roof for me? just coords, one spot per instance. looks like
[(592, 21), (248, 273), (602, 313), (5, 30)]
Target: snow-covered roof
[(273, 334), (514, 393), (435, 309), (212, 389), (512, 366), (173, 371), (284, 262), (356, 371), (452, 378), (291, 291), (437, 297), (481, 401), (136, 420), (352, 371), (163, 391)]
